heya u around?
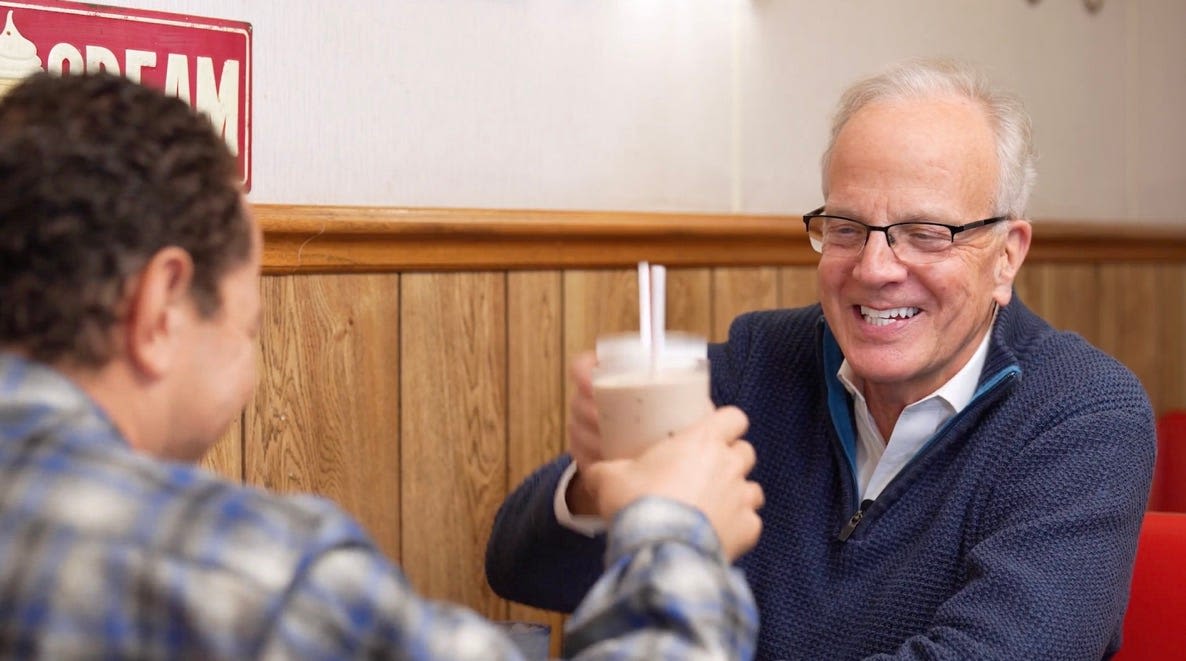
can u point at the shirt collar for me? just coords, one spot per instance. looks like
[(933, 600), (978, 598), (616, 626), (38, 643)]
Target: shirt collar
[(957, 391), (30, 388)]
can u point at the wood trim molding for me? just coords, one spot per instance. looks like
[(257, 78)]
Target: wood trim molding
[(312, 239)]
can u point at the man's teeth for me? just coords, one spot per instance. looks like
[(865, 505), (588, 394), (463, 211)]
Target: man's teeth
[(884, 317)]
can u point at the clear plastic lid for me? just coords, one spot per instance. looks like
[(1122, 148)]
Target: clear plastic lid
[(625, 352)]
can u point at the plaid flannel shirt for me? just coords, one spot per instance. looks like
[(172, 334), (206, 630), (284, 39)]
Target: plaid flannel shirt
[(109, 553)]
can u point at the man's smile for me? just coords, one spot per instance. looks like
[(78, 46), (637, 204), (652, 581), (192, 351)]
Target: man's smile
[(885, 317)]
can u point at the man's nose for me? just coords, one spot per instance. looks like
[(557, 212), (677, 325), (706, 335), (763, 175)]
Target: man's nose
[(877, 259)]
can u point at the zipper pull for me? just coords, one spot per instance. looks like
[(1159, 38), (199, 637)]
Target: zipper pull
[(855, 521)]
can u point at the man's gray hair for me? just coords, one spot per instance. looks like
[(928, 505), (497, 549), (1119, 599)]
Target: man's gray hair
[(930, 78)]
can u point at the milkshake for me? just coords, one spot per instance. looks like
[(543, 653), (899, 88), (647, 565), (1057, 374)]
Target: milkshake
[(639, 403)]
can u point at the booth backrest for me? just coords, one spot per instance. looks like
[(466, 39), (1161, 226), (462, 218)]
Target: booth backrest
[(1157, 607), (1169, 476)]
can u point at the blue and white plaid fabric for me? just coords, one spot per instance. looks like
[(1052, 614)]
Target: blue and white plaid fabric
[(108, 553)]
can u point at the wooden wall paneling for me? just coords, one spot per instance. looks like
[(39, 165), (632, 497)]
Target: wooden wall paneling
[(798, 286), (1028, 286), (1171, 339), (536, 371), (304, 238), (600, 302), (453, 425), (329, 336), (738, 290), (597, 302), (1130, 316), (325, 416), (689, 301), (226, 456), (1065, 295), (356, 238)]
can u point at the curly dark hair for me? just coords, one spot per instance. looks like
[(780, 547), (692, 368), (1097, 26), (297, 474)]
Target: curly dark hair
[(97, 174)]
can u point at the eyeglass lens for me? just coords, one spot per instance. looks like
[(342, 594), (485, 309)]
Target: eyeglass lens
[(911, 242)]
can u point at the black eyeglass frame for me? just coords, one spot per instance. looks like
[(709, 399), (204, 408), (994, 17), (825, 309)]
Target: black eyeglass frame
[(954, 229)]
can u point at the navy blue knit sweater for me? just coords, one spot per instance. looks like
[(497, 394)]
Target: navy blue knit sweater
[(1011, 535)]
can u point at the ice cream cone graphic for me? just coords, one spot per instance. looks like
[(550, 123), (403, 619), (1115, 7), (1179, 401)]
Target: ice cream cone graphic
[(18, 56)]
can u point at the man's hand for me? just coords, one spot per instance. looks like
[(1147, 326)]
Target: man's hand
[(584, 434), (704, 466)]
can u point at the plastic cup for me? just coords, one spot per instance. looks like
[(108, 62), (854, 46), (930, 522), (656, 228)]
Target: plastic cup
[(640, 403)]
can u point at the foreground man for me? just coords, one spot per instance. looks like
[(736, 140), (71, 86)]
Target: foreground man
[(947, 476), (129, 282)]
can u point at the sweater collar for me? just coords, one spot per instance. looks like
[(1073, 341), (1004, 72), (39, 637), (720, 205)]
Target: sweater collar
[(1000, 362)]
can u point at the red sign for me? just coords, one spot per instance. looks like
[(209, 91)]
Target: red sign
[(204, 61)]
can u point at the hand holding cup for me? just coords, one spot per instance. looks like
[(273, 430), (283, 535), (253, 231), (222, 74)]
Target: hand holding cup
[(705, 466)]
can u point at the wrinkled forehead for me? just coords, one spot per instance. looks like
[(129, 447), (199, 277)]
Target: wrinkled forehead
[(943, 148)]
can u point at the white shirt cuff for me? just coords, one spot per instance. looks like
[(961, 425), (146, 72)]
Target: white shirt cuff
[(587, 525)]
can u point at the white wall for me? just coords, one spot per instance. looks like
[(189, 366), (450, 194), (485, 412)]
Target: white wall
[(694, 105)]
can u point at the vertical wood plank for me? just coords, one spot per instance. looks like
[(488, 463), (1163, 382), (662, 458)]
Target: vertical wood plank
[(454, 464), (1171, 338), (596, 302), (797, 286), (689, 304), (738, 290), (1027, 286), (536, 371), (599, 302), (1065, 295), (325, 418), (1128, 312), (226, 456)]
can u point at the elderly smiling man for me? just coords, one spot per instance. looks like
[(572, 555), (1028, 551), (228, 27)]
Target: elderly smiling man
[(947, 476)]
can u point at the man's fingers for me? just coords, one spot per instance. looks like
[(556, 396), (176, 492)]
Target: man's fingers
[(584, 411), (727, 422), (580, 370), (755, 496), (744, 533), (744, 455)]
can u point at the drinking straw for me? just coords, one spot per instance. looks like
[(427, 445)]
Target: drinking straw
[(644, 304), (658, 314)]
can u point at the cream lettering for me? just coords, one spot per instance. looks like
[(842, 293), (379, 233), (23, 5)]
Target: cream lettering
[(217, 95), (101, 59), (177, 76), (64, 58), (220, 100), (135, 60)]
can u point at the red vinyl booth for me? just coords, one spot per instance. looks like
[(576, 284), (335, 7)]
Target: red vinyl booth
[(1169, 473), (1153, 625)]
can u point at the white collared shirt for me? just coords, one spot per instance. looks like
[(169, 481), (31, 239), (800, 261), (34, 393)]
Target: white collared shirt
[(878, 461)]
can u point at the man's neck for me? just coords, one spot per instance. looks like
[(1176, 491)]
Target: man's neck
[(117, 390), (887, 401)]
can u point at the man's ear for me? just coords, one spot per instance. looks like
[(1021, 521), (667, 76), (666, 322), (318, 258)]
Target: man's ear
[(1013, 251), (158, 308)]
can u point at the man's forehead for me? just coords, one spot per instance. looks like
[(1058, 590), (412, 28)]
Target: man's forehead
[(946, 119), (913, 157)]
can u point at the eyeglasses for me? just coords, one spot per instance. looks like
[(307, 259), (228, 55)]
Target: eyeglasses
[(915, 242)]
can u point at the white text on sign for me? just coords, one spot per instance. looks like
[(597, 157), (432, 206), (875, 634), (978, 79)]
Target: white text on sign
[(217, 96)]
